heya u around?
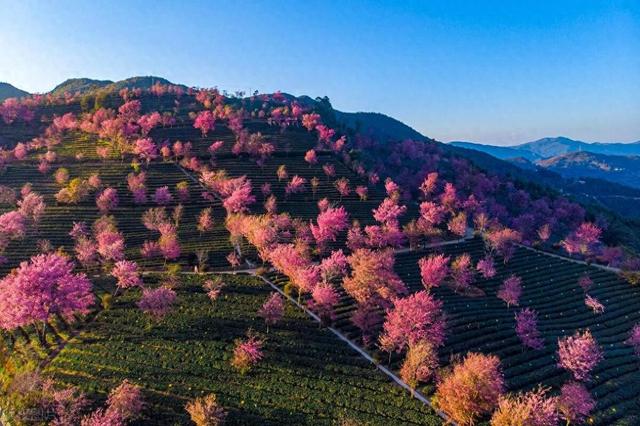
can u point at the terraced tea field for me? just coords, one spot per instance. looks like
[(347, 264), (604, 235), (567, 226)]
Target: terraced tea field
[(550, 286), (308, 377)]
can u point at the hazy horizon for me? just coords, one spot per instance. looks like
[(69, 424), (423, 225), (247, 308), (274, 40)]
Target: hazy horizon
[(488, 73)]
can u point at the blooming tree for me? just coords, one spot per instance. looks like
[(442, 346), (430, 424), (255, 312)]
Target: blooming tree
[(575, 403), (40, 288), (533, 408), (126, 273), (472, 389), (433, 270), (583, 239), (634, 339), (486, 267), (247, 353), (594, 304), (295, 185), (213, 287), (205, 121), (146, 149), (162, 196), (372, 278), (419, 364), (311, 157), (462, 272), (126, 400), (107, 200), (585, 282), (511, 290), (206, 411), (412, 319), (205, 220), (503, 242), (331, 222), (527, 328), (324, 298), (157, 302), (272, 310), (579, 354)]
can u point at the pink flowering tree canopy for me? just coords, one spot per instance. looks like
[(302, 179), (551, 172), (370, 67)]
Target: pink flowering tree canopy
[(579, 354), (433, 270), (511, 290), (412, 319), (372, 279), (272, 310), (205, 121), (527, 328), (126, 273), (42, 287), (157, 302)]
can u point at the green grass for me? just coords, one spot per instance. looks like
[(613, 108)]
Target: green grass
[(307, 377)]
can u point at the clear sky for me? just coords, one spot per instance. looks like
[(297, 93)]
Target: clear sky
[(488, 71)]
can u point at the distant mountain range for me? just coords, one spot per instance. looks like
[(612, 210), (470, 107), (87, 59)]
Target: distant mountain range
[(551, 147), (9, 91), (81, 85), (616, 168)]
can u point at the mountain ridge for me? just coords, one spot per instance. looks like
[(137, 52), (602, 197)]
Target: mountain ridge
[(8, 90), (552, 146)]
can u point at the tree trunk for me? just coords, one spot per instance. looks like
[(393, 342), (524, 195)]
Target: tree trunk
[(42, 336), (24, 334)]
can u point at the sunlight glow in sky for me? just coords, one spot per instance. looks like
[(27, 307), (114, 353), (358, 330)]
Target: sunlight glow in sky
[(486, 71)]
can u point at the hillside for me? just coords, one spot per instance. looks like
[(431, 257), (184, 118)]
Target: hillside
[(624, 170), (183, 213), (83, 85), (501, 152), (551, 147), (377, 125), (9, 91)]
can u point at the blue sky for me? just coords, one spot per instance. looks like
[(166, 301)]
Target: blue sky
[(489, 71)]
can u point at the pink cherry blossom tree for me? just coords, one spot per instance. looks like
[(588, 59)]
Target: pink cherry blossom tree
[(205, 121), (472, 389), (585, 283), (247, 353), (412, 319), (462, 272), (145, 149), (503, 242), (296, 185), (579, 354), (433, 270), (126, 273), (205, 220), (311, 157), (107, 200), (40, 288), (634, 339), (511, 290), (331, 222), (126, 400), (162, 196), (157, 302), (486, 267), (575, 403), (273, 310), (324, 298), (583, 239), (594, 304), (372, 279), (527, 328)]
